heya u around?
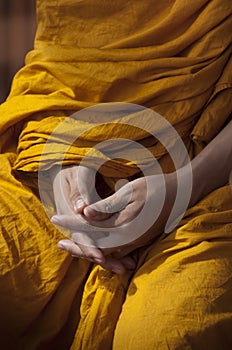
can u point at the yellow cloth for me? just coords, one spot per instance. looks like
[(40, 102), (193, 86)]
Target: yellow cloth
[(173, 57), (167, 58)]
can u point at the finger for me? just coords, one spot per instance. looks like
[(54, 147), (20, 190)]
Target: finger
[(79, 205), (82, 182), (74, 222), (89, 253), (61, 191), (78, 222), (103, 209), (128, 262), (108, 263), (92, 214), (114, 265)]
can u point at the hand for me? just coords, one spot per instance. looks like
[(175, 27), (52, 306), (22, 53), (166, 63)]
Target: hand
[(71, 194), (71, 197), (119, 211)]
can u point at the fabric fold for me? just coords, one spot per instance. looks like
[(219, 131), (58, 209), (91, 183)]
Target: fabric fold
[(174, 74)]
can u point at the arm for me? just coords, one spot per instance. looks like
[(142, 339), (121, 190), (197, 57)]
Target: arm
[(211, 169)]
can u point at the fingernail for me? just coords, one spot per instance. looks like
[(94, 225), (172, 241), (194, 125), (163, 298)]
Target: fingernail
[(55, 220), (98, 260), (78, 204), (61, 246)]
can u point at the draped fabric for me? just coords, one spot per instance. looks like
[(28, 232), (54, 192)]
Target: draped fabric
[(175, 58), (179, 74)]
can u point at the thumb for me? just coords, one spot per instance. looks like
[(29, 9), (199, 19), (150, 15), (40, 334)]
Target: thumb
[(105, 208)]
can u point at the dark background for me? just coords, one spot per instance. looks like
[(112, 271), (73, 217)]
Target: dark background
[(17, 31)]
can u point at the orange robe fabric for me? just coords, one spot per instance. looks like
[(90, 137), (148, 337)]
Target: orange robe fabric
[(173, 57)]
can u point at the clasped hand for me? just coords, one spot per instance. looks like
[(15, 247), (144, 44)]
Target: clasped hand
[(77, 209)]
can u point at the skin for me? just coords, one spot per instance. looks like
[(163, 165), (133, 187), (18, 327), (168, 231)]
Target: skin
[(214, 159)]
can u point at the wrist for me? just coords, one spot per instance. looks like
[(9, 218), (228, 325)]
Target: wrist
[(185, 182)]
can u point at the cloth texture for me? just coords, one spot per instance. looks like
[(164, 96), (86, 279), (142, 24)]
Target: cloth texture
[(175, 58)]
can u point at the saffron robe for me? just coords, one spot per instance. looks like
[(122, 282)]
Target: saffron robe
[(172, 57)]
